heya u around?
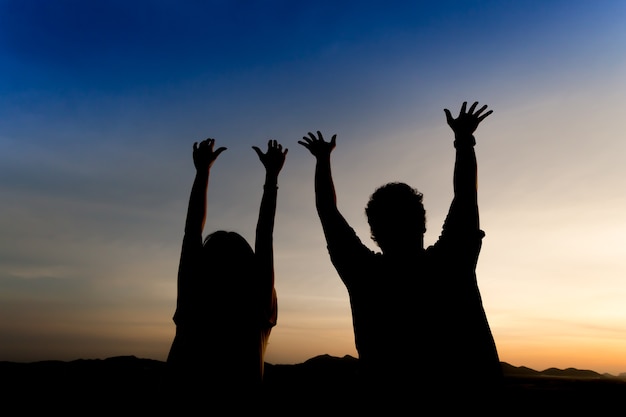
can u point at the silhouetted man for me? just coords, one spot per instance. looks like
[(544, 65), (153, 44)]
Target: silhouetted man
[(419, 325)]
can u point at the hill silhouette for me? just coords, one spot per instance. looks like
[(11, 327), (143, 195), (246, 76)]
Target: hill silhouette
[(127, 384)]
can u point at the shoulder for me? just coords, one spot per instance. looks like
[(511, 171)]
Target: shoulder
[(456, 242)]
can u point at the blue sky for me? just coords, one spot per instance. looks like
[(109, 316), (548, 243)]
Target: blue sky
[(101, 102)]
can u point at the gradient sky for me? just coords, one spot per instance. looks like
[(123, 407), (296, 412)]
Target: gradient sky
[(101, 101)]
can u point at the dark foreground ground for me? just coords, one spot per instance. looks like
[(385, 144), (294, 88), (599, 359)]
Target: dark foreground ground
[(320, 386)]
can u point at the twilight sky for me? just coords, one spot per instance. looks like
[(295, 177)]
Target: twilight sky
[(101, 101)]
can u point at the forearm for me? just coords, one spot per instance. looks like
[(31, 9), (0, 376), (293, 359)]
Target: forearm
[(325, 197), (465, 169), (196, 210), (264, 242), (267, 213), (463, 213), (464, 210), (333, 223)]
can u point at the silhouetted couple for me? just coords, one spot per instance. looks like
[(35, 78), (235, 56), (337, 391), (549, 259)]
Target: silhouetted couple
[(419, 324)]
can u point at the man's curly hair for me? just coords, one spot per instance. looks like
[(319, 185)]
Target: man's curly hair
[(395, 205)]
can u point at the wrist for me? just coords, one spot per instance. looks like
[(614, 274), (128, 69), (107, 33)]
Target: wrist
[(464, 141), (271, 179), (271, 182), (203, 171)]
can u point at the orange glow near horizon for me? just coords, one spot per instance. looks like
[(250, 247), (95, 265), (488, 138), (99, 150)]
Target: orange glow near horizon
[(597, 355)]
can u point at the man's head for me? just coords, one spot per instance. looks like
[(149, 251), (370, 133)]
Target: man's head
[(397, 218)]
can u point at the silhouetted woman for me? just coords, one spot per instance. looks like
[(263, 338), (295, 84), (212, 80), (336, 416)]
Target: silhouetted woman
[(226, 305)]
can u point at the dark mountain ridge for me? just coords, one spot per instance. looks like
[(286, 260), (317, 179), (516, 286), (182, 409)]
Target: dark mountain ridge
[(128, 381), (320, 363)]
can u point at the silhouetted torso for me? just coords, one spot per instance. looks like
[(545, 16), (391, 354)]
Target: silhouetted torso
[(222, 327), (418, 318)]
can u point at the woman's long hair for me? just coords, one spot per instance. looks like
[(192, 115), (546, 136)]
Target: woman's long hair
[(232, 267)]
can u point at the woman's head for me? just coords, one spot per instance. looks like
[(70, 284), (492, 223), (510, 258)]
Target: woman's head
[(229, 256)]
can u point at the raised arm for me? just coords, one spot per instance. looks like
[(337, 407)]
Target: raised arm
[(273, 161), (325, 197), (464, 210), (203, 158)]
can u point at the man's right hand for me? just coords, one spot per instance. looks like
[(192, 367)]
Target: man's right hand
[(467, 121)]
